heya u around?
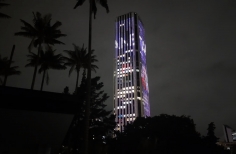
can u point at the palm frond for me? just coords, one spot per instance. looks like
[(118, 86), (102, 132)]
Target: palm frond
[(31, 28), (5, 69), (48, 60), (71, 69), (4, 16), (25, 34), (94, 67), (56, 25), (54, 41), (41, 31), (1, 14), (3, 4), (104, 4), (32, 58), (59, 35), (79, 3), (31, 44)]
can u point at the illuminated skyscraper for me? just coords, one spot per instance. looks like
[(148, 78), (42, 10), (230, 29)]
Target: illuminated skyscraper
[(131, 93)]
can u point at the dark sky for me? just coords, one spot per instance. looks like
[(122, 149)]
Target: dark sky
[(191, 54)]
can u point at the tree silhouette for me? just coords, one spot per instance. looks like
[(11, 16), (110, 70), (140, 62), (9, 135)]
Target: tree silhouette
[(5, 70), (102, 122), (94, 5), (42, 32), (1, 14), (165, 134), (211, 131), (92, 9), (78, 58), (210, 141), (47, 60)]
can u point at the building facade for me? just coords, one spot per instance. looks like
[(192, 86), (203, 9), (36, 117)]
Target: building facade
[(131, 92), (229, 134)]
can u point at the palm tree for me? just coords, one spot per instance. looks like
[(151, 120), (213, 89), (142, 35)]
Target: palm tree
[(92, 9), (42, 32), (1, 14), (93, 5), (78, 58), (47, 60), (93, 58), (4, 71)]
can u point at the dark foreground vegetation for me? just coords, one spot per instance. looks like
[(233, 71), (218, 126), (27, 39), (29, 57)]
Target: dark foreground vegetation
[(163, 134)]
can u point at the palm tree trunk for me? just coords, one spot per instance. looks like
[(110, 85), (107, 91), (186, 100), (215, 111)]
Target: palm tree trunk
[(10, 61), (35, 68), (77, 80), (44, 72), (87, 109)]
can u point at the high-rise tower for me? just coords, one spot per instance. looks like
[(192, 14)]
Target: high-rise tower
[(131, 93)]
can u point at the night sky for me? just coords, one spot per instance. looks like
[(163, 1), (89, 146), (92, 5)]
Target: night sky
[(191, 54)]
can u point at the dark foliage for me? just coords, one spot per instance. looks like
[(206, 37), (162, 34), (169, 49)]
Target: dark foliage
[(164, 134), (3, 5), (5, 69), (77, 59), (102, 122), (103, 3), (41, 32), (47, 60)]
